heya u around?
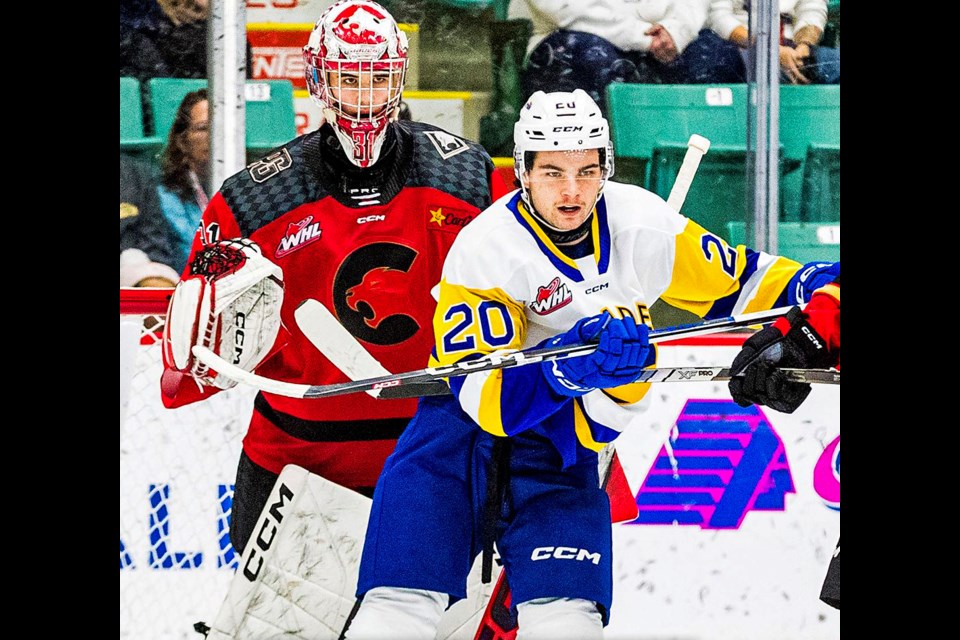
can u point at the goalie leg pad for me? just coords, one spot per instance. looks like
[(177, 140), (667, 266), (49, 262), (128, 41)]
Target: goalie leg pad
[(391, 612), (230, 303), (298, 574)]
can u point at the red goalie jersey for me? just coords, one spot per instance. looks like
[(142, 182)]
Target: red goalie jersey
[(368, 244)]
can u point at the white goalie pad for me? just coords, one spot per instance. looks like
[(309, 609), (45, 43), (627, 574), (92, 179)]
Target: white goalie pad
[(298, 575)]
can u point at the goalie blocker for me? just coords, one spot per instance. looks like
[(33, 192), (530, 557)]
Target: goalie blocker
[(229, 303)]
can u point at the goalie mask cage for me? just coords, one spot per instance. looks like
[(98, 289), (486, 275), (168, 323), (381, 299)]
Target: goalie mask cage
[(177, 468)]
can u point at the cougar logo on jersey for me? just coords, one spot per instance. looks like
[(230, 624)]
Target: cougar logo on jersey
[(299, 235), (551, 297), (378, 282), (372, 297), (447, 145), (269, 166)]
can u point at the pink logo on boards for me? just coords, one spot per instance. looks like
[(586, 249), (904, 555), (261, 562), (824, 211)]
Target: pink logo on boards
[(826, 475)]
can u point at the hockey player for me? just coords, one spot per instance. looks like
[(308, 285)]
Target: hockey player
[(359, 215), (806, 339), (512, 454)]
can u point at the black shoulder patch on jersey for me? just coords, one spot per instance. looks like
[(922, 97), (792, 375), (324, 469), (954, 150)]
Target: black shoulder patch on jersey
[(449, 163), (270, 187)]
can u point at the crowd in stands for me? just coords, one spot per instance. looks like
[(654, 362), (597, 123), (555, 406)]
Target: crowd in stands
[(588, 45)]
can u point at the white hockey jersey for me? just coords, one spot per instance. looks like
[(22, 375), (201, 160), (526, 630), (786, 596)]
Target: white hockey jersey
[(507, 286)]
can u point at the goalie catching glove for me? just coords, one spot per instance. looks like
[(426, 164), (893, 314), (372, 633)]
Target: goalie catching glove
[(791, 341), (230, 303), (623, 351)]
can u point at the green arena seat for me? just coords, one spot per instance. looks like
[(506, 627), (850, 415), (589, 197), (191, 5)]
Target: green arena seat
[(809, 115), (643, 116), (803, 242), (820, 192), (719, 191), (271, 118), (132, 138)]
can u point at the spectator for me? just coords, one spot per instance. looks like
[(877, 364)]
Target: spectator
[(589, 45), (802, 60), (146, 254), (164, 39), (184, 172)]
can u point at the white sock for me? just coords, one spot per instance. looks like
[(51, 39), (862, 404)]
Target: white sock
[(392, 613), (559, 619)]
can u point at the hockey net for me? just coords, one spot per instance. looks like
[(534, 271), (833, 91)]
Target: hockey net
[(176, 485)]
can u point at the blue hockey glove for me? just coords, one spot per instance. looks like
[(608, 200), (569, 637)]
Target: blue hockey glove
[(619, 359)]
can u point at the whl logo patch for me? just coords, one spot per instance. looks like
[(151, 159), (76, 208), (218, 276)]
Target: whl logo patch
[(551, 297), (720, 463), (299, 235)]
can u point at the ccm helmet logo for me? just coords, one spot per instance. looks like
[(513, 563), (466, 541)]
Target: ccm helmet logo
[(370, 219), (564, 553), (567, 129)]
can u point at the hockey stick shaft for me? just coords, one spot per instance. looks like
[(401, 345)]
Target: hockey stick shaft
[(494, 361), (696, 147)]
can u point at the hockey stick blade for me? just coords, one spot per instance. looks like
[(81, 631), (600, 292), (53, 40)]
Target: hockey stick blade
[(341, 348)]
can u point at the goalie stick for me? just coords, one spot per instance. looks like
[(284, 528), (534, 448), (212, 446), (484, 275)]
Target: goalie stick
[(493, 361), (324, 331)]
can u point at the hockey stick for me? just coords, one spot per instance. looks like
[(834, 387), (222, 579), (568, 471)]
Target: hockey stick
[(338, 345), (696, 147), (493, 361)]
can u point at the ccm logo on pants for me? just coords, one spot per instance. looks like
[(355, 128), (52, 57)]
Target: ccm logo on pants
[(564, 553)]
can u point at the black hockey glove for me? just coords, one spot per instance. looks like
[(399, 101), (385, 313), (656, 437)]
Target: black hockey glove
[(755, 377)]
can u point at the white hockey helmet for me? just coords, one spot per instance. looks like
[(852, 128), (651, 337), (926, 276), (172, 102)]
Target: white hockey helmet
[(356, 65), (561, 121)]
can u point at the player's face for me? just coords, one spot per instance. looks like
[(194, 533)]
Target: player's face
[(564, 186), (363, 94)]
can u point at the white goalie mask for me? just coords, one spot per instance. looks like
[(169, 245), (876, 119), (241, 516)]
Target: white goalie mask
[(356, 64), (560, 121)]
